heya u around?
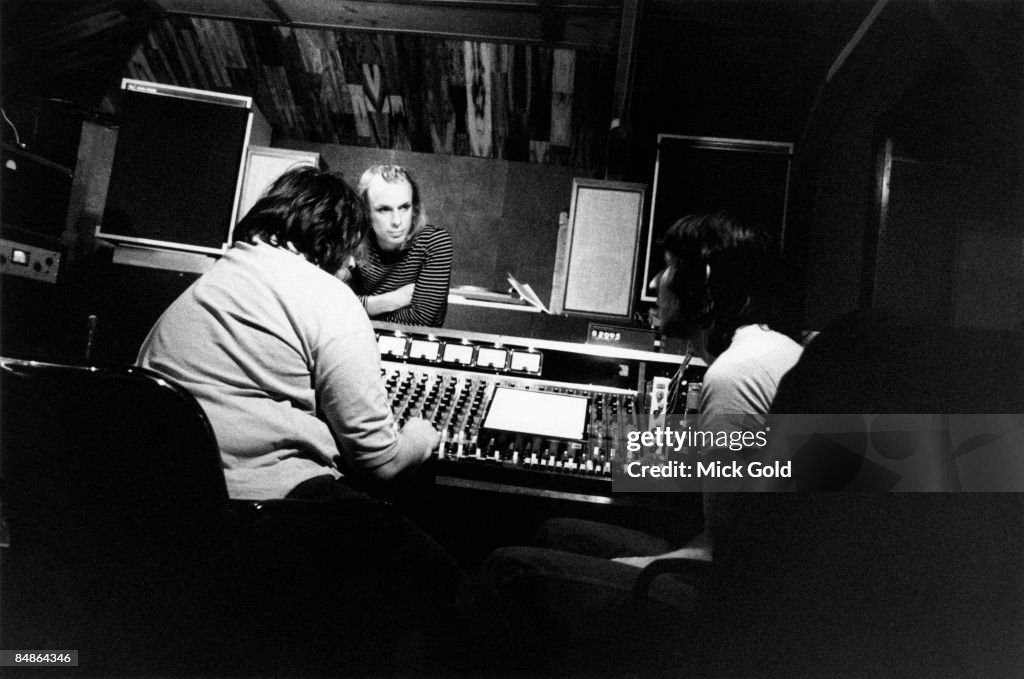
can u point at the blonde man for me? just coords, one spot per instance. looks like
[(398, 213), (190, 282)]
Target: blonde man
[(405, 271)]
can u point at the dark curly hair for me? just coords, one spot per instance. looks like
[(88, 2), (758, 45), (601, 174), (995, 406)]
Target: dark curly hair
[(725, 277), (315, 212)]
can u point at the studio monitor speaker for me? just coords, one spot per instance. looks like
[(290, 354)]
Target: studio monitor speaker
[(176, 176), (264, 165), (595, 269)]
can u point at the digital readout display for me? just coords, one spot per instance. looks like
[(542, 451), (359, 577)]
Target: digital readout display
[(539, 413), (460, 354), (390, 345), (427, 350), (525, 361), (487, 357)]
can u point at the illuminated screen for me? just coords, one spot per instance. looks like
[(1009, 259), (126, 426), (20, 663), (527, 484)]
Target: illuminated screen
[(525, 362), (19, 257), (538, 413), (458, 353), (425, 349), (491, 358), (391, 346)]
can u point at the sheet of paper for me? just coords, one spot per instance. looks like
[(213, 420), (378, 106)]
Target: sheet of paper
[(527, 293)]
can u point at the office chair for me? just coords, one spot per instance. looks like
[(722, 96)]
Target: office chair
[(117, 513), (124, 545)]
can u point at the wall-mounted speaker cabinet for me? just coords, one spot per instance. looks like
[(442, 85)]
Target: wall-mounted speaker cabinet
[(595, 272), (177, 171)]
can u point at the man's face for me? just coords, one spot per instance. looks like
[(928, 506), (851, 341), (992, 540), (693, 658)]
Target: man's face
[(667, 318), (390, 205)]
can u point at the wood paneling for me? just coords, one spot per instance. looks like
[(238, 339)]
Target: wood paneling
[(575, 24), (393, 90)]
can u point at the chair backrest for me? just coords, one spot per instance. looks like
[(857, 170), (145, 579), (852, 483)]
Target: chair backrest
[(875, 583), (125, 546), (90, 436), (114, 500)]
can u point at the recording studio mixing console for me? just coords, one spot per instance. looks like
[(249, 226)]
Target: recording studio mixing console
[(522, 415)]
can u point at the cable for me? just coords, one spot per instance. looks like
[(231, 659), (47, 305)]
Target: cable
[(676, 383), (17, 139)]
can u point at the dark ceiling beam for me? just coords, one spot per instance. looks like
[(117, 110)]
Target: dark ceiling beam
[(589, 25), (625, 66), (236, 10), (278, 11)]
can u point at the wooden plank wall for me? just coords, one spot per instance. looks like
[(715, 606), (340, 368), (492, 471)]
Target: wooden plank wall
[(395, 91)]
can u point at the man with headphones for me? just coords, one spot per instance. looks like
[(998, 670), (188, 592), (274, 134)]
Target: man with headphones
[(568, 599)]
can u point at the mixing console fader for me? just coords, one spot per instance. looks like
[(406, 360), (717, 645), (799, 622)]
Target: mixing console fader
[(456, 402), (532, 415)]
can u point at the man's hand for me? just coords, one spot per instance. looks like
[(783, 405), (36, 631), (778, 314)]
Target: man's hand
[(403, 295), (390, 301), (422, 437), (417, 441)]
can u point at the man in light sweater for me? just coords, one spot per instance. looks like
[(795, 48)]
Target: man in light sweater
[(282, 358), (281, 355)]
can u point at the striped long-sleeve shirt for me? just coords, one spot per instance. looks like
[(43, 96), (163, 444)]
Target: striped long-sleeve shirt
[(427, 263)]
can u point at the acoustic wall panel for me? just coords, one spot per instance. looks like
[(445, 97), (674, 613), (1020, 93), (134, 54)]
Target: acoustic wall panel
[(601, 249)]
